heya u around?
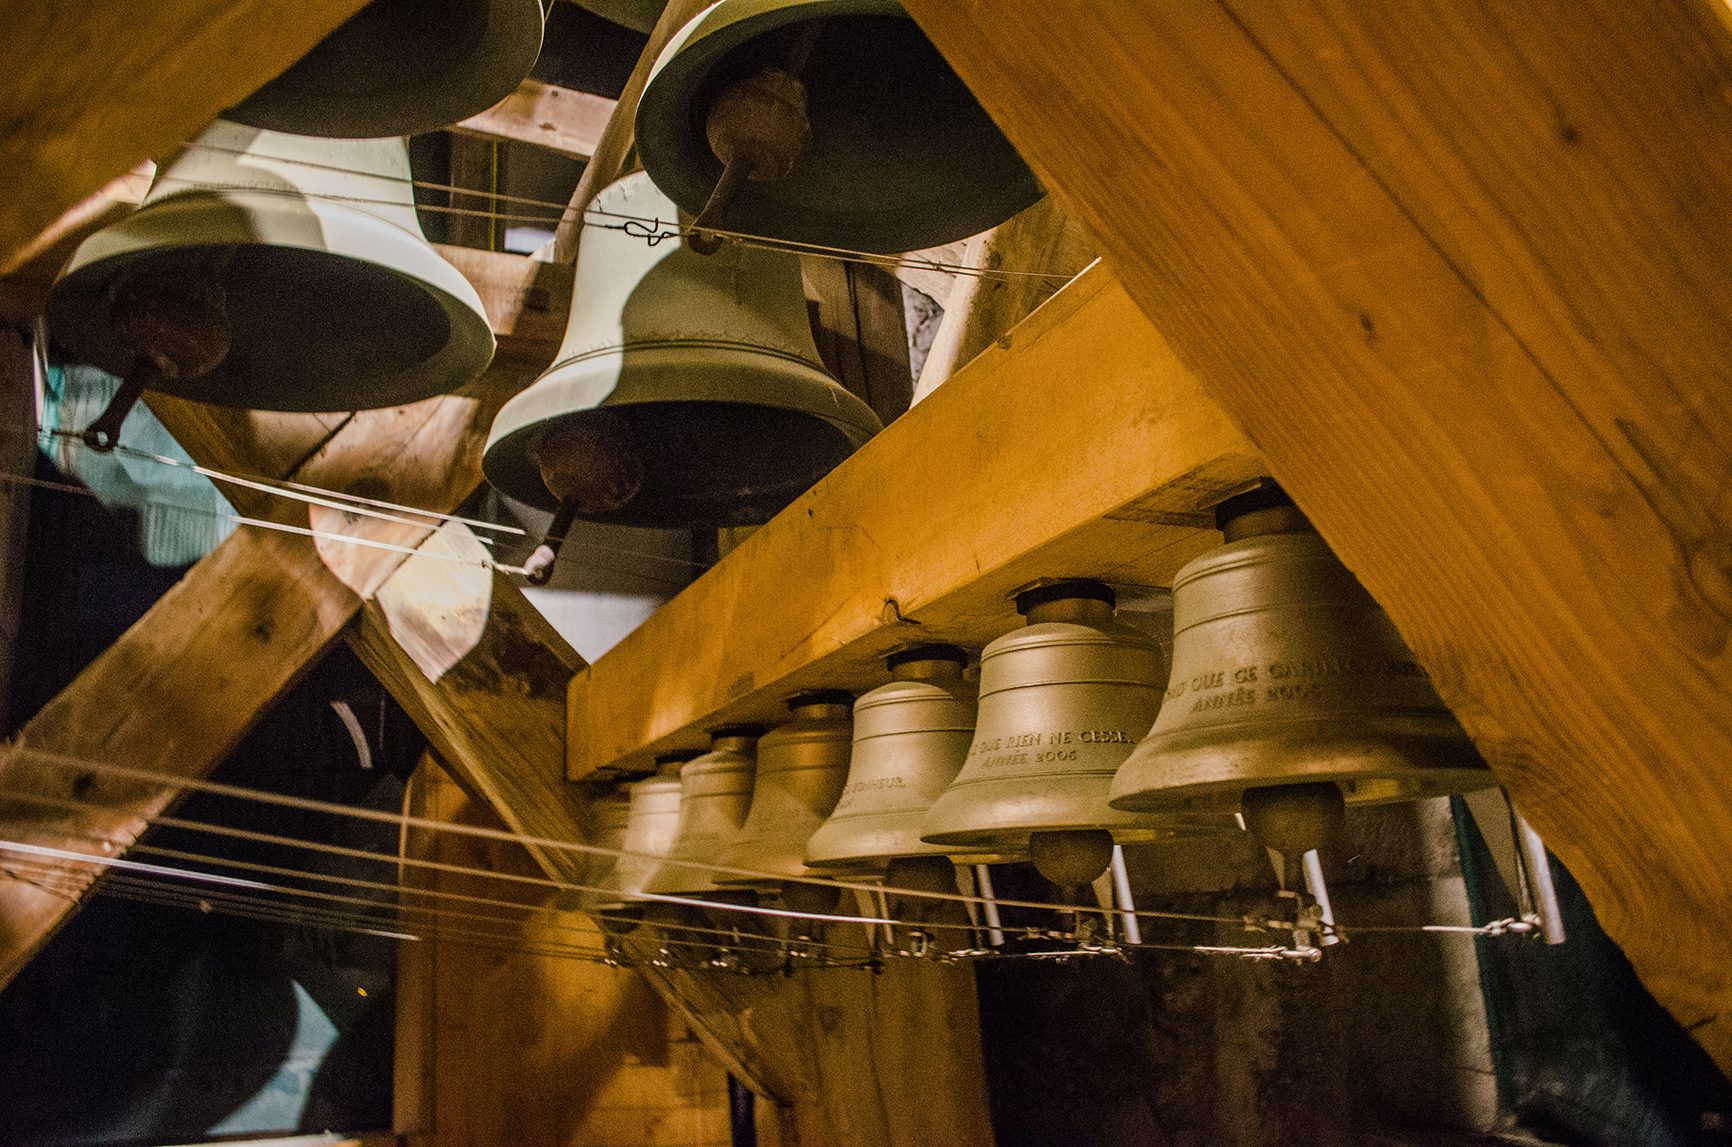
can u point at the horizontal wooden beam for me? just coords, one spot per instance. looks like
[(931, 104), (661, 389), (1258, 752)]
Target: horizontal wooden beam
[(1076, 446), (1470, 297), (544, 115), (92, 90)]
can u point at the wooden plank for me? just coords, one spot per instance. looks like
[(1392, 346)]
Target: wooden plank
[(1471, 299), (593, 1056), (1077, 446), (474, 169), (544, 115), (526, 302), (94, 89), (861, 331)]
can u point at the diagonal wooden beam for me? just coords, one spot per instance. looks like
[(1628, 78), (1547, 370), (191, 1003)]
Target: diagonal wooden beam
[(544, 115), (1459, 272), (94, 89)]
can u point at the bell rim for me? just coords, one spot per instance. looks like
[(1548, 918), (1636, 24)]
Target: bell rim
[(107, 254), (508, 50), (665, 134), (1194, 769), (896, 835), (506, 459)]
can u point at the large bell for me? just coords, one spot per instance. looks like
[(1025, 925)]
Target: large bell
[(604, 821), (1288, 679), (688, 392), (651, 824), (910, 738), (715, 796), (401, 67), (1062, 702), (275, 272), (802, 766), (841, 123)]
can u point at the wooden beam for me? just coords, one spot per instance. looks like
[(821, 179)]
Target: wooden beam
[(1077, 446), (92, 90), (175, 694), (1471, 299), (180, 688), (544, 115), (861, 331)]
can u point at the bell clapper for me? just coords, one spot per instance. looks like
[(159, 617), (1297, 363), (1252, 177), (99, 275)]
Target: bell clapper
[(593, 467), (1293, 822), (1537, 877), (758, 128), (178, 329)]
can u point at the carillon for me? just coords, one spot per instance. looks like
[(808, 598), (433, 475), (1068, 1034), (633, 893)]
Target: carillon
[(830, 122), (1062, 702), (802, 766), (274, 272), (688, 391), (401, 67), (715, 797), (1292, 694), (910, 739)]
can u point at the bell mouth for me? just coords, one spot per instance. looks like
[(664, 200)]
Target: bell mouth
[(866, 844), (401, 67), (892, 167), (1208, 770)]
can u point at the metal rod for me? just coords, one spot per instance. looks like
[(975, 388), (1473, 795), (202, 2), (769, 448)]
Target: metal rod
[(1314, 884), (1537, 869), (989, 905), (1122, 896)]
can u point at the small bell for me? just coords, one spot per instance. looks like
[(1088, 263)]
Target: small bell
[(801, 769), (651, 825), (1062, 701), (272, 272), (688, 392), (1292, 695), (402, 67), (831, 122), (715, 797), (910, 738)]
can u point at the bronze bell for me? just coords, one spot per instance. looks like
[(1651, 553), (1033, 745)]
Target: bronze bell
[(910, 738), (1062, 702), (801, 769), (274, 272), (831, 122), (688, 392), (1289, 681), (651, 824), (715, 796), (401, 67)]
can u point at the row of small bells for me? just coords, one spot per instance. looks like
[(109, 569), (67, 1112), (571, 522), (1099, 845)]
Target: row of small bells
[(280, 271), (1291, 697)]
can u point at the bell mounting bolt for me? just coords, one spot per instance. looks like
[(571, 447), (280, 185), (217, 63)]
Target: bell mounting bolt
[(758, 128), (176, 330)]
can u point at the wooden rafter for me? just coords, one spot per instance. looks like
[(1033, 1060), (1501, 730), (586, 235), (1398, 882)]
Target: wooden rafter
[(1460, 273), (92, 90), (544, 115)]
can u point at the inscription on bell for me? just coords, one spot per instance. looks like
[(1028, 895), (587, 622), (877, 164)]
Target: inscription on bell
[(1304, 669), (873, 785), (1002, 752)]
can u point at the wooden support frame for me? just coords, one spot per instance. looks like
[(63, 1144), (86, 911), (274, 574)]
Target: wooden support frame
[(1077, 446), (1459, 271)]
